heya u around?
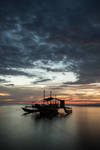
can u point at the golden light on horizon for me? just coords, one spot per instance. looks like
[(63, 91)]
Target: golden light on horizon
[(4, 94)]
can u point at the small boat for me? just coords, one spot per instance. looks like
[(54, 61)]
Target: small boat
[(50, 106)]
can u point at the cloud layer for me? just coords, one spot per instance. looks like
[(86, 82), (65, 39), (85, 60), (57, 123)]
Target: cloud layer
[(52, 36)]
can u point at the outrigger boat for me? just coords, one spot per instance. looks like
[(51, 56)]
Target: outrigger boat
[(49, 106)]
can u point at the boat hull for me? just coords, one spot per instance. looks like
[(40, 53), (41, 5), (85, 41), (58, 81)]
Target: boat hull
[(29, 110)]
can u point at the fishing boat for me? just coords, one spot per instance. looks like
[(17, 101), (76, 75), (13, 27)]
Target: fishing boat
[(49, 106)]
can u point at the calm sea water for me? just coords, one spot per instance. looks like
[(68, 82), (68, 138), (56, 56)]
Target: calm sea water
[(80, 130)]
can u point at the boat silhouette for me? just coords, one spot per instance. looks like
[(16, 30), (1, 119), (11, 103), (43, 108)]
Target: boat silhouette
[(49, 106)]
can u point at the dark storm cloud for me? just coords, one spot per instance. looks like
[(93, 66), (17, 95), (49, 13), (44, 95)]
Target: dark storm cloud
[(14, 72), (3, 81), (11, 85), (59, 30), (41, 81)]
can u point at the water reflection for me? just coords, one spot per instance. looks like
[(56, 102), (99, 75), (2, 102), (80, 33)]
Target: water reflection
[(77, 131), (88, 127), (38, 116)]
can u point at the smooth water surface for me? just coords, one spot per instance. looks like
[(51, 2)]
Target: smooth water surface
[(77, 131)]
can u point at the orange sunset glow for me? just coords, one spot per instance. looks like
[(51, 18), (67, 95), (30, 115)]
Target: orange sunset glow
[(73, 94)]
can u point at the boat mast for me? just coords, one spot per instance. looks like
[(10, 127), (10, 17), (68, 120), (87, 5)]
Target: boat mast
[(44, 94), (50, 94), (55, 99)]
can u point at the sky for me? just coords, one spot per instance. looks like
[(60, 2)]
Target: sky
[(51, 45)]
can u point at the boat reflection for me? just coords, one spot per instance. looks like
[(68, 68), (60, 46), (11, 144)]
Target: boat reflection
[(38, 116)]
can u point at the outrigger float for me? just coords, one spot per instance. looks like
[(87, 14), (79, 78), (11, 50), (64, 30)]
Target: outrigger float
[(49, 106)]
